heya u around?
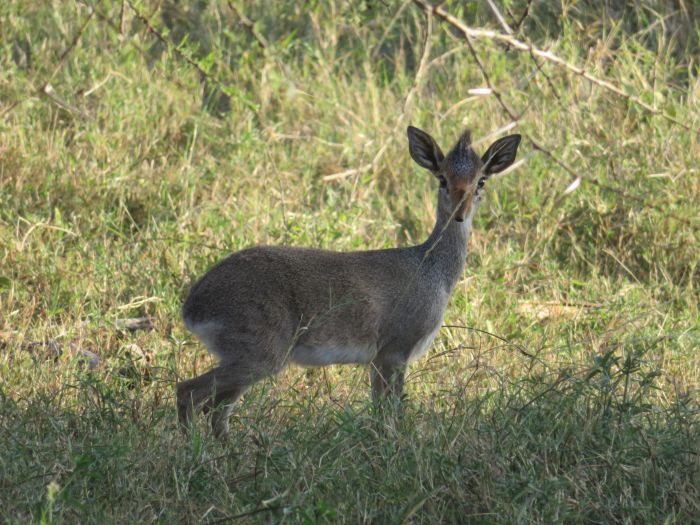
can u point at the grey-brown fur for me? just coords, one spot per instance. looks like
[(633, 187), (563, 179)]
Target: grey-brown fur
[(264, 307)]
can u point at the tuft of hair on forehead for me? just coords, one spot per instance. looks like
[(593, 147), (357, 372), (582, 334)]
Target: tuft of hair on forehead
[(465, 140), (462, 161)]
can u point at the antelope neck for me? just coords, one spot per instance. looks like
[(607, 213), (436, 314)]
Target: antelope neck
[(446, 247)]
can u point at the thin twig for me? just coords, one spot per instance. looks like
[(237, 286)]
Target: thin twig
[(499, 17), (161, 37), (547, 78), (496, 336), (519, 23), (249, 25)]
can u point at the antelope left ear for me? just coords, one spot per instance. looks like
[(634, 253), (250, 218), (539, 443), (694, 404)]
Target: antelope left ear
[(500, 154), (424, 150)]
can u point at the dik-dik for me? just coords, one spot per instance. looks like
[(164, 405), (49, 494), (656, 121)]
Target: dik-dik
[(265, 307)]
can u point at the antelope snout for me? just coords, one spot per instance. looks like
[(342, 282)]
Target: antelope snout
[(462, 211), (462, 202)]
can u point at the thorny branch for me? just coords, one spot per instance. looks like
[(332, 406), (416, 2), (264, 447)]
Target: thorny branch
[(204, 75), (520, 21)]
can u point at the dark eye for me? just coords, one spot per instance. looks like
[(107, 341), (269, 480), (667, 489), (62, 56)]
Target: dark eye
[(481, 182), (443, 181)]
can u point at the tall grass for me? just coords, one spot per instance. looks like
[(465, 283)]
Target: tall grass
[(142, 141)]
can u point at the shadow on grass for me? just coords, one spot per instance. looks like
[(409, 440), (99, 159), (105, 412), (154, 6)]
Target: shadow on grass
[(598, 444)]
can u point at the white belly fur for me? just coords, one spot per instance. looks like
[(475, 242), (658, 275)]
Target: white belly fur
[(342, 355), (332, 355)]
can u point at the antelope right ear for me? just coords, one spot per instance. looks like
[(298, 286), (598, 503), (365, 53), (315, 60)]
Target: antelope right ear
[(500, 154), (424, 150)]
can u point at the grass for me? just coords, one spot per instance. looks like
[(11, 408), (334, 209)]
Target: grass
[(133, 175)]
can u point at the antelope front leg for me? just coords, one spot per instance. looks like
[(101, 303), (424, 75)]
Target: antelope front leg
[(387, 380)]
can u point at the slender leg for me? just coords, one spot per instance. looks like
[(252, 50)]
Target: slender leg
[(387, 380), (222, 406), (191, 394), (218, 389), (224, 384)]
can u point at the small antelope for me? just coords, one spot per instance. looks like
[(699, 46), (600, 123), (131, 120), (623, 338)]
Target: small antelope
[(264, 307)]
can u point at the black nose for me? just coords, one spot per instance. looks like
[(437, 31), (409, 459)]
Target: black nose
[(459, 219)]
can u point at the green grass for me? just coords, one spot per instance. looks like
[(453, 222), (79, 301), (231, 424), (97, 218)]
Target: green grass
[(122, 188)]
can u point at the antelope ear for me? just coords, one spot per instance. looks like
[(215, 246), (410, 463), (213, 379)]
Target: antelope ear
[(423, 149), (500, 154)]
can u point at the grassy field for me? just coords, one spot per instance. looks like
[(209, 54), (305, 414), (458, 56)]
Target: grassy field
[(140, 142)]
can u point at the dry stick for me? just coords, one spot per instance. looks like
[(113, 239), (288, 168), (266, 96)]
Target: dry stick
[(466, 32), (469, 32)]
